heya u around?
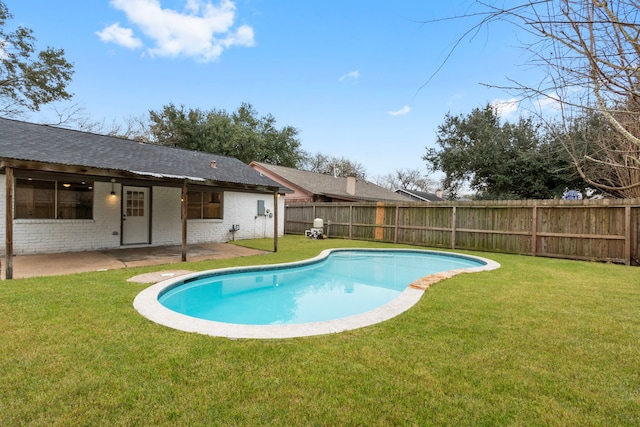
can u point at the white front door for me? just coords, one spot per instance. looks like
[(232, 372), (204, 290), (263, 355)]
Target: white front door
[(135, 215)]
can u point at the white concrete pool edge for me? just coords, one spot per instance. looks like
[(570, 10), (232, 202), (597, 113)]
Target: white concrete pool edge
[(147, 304)]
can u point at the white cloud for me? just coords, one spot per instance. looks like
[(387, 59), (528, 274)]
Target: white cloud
[(401, 112), (353, 75), (192, 6), (122, 36), (505, 108), (549, 103), (546, 105), (202, 31)]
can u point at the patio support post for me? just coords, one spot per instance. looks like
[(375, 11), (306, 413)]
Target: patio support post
[(184, 221), (9, 224), (276, 216)]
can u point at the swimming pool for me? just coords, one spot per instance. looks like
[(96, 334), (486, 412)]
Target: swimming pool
[(340, 289)]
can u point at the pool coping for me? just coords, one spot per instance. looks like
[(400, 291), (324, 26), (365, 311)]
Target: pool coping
[(146, 302)]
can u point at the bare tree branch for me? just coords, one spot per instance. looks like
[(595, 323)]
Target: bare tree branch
[(590, 52)]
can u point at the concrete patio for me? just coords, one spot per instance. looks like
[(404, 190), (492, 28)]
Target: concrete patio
[(80, 262)]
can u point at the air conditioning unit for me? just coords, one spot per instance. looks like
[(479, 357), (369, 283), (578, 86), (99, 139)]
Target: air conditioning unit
[(317, 231)]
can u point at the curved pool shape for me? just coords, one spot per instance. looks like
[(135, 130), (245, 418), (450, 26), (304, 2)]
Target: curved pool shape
[(338, 290)]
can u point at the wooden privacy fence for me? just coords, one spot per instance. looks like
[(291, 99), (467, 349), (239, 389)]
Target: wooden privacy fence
[(595, 230)]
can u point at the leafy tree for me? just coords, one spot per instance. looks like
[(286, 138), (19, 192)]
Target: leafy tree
[(332, 165), (28, 79), (241, 134), (499, 160)]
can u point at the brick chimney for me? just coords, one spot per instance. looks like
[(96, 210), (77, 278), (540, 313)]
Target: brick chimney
[(351, 185)]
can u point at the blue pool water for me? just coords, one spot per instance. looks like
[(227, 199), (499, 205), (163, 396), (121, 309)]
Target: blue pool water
[(346, 283)]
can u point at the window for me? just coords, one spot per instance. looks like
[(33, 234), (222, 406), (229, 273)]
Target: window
[(135, 203), (41, 199), (204, 205)]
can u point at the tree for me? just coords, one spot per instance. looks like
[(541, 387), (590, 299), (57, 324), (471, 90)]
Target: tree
[(407, 179), (241, 134), (28, 79), (597, 149), (332, 165), (77, 118), (589, 50), (499, 160)]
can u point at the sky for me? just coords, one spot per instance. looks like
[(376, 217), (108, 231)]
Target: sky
[(353, 76)]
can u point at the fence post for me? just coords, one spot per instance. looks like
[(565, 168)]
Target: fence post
[(534, 229), (350, 221), (454, 220), (379, 231), (627, 234), (395, 229)]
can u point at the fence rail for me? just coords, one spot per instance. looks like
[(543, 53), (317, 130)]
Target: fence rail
[(597, 230)]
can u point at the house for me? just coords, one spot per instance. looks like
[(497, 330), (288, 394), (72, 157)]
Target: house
[(422, 196), (64, 190), (316, 187)]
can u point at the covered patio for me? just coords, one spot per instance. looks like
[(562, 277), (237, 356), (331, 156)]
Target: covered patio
[(81, 262), (69, 191)]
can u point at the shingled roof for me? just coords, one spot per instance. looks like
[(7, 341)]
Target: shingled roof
[(421, 195), (330, 186), (24, 141)]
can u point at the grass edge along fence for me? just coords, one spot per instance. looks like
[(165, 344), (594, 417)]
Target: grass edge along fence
[(594, 230)]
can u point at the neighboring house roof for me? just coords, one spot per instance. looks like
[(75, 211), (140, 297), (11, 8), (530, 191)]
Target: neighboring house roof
[(24, 141), (327, 185), (420, 195)]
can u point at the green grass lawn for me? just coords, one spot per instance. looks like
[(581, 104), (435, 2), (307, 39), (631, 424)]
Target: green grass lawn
[(536, 342)]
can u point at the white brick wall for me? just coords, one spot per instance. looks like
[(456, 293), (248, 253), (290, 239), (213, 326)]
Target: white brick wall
[(166, 225), (49, 235), (103, 231), (239, 209)]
